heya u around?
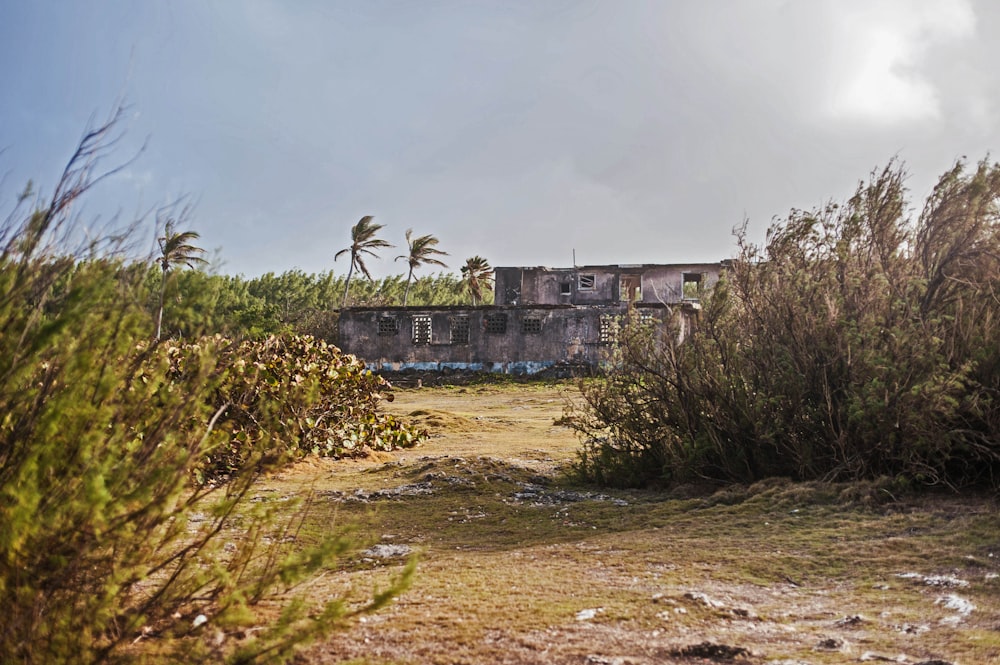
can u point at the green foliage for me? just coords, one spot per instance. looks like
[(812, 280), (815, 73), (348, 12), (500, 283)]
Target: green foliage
[(176, 249), (105, 540), (299, 396), (364, 240), (440, 289), (856, 343), (423, 251), (477, 276), (291, 302)]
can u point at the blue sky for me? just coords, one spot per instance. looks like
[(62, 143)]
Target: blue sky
[(627, 131)]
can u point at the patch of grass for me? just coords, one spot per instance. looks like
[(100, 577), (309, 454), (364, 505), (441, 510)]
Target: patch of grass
[(511, 550)]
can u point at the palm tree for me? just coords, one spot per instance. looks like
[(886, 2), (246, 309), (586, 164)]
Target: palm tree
[(363, 241), (175, 250), (477, 275), (422, 252)]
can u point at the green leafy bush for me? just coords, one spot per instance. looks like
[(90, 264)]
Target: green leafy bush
[(300, 396), (105, 540), (856, 343)]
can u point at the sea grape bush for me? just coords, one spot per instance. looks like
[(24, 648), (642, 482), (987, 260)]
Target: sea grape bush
[(855, 343), (291, 396)]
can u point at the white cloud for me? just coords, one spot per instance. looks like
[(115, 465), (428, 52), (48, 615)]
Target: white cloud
[(880, 51)]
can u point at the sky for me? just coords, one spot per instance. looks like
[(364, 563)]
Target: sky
[(528, 132)]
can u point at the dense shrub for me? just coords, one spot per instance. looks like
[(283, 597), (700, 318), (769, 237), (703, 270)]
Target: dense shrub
[(298, 396), (104, 537), (855, 343)]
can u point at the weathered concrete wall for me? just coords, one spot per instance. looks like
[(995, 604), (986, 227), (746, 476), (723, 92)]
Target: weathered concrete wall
[(507, 286), (603, 285), (541, 317), (665, 283), (508, 339)]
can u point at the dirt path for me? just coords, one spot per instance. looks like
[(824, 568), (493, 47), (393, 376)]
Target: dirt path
[(518, 565)]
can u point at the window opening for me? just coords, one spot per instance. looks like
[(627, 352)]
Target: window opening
[(691, 285), (531, 325), (388, 325), (495, 324), (460, 330), (608, 330), (630, 288), (565, 289), (588, 282), (422, 329)]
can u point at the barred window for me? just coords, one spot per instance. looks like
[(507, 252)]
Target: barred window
[(609, 328), (388, 325), (531, 325), (495, 324), (421, 329), (459, 329), (588, 282)]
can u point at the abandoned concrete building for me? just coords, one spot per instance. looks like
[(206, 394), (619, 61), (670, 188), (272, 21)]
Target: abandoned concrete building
[(541, 318)]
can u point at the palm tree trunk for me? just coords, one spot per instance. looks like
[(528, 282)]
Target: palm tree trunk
[(347, 284), (159, 313), (406, 293)]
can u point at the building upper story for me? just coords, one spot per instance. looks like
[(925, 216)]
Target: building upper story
[(541, 318), (605, 285)]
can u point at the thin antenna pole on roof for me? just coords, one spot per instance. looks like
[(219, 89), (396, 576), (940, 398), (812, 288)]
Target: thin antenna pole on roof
[(574, 257)]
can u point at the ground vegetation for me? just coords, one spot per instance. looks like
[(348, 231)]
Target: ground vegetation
[(122, 537)]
